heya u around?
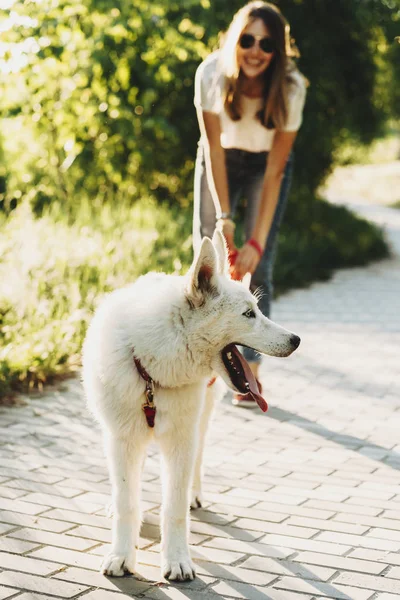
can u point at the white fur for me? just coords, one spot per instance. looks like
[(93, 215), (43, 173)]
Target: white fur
[(177, 327)]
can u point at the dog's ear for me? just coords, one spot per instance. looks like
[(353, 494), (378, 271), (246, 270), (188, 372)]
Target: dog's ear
[(222, 252), (202, 276)]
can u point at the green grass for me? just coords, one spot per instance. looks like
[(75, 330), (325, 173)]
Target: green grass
[(54, 270)]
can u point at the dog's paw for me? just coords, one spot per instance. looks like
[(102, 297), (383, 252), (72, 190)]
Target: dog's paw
[(118, 565), (179, 570)]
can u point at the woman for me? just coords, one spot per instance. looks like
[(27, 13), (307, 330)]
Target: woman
[(249, 98)]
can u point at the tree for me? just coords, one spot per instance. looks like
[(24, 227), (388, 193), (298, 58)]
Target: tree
[(107, 91)]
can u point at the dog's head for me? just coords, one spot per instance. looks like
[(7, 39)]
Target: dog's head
[(223, 313)]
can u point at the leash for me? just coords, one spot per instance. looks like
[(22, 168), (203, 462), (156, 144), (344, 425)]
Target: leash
[(148, 407)]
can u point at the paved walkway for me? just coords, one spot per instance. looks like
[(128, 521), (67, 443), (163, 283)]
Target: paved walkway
[(302, 503)]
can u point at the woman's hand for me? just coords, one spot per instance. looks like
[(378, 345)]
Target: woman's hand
[(247, 261)]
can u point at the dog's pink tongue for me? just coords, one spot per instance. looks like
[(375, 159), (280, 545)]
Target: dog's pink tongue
[(253, 386)]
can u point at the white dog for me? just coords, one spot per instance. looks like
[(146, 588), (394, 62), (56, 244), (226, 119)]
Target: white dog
[(148, 357)]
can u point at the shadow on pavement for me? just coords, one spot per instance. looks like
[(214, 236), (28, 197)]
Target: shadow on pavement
[(349, 442), (198, 588)]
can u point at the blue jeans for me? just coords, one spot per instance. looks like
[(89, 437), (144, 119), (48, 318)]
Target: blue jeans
[(245, 171)]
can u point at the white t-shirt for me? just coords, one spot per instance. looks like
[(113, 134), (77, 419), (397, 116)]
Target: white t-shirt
[(247, 133)]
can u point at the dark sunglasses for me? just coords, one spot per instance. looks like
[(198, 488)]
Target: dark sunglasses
[(247, 40)]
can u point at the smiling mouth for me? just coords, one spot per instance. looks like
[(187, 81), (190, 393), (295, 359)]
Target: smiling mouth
[(241, 375)]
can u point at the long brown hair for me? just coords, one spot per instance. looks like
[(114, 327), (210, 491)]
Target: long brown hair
[(277, 76)]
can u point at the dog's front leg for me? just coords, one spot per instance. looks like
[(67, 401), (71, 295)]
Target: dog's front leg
[(125, 459), (197, 495), (178, 450), (214, 394)]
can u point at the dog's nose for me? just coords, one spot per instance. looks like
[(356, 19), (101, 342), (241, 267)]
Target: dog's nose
[(295, 341)]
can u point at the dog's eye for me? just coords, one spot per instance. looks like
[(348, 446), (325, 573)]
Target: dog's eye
[(250, 314)]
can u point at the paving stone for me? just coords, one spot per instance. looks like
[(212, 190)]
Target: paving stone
[(21, 506), (231, 502), (328, 525), (68, 557), (330, 590), (95, 534), (341, 563), (286, 567), (380, 584), (18, 519), (56, 471), (368, 521), (144, 557), (27, 565), (394, 573), (85, 485), (228, 573), (376, 555), (221, 552), (21, 487), (341, 507), (10, 492), (374, 502), (270, 511), (75, 517), (41, 584), (16, 546), (176, 593), (39, 502), (7, 592), (281, 528), (391, 514), (53, 539), (261, 594), (129, 585), (387, 533), (19, 475), (248, 547), (236, 589), (5, 528), (104, 595), (301, 544), (359, 540)]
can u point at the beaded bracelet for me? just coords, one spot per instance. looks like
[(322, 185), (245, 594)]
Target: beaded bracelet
[(256, 246)]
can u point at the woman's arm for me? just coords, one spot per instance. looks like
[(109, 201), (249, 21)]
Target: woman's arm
[(249, 258), (210, 129), (277, 159)]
